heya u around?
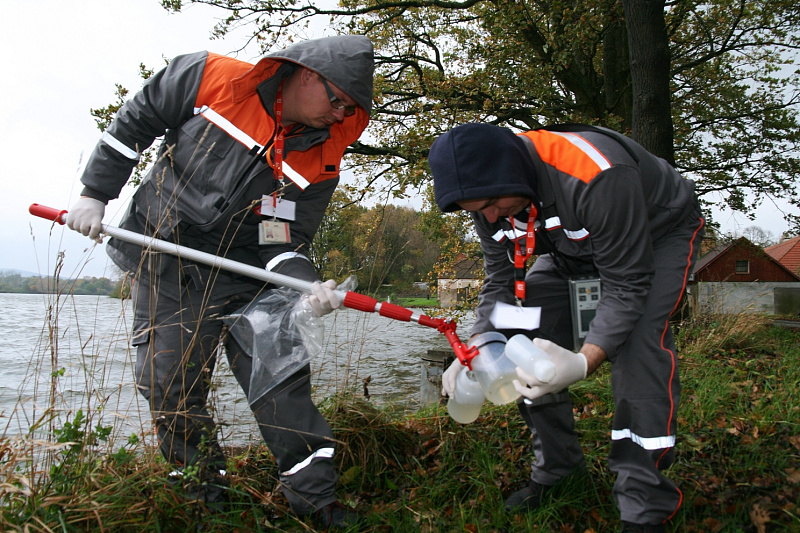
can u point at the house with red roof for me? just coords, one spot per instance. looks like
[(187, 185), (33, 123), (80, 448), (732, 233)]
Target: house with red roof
[(787, 253), (740, 277), (742, 261)]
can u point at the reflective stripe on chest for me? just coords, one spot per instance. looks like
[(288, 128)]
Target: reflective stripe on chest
[(245, 139)]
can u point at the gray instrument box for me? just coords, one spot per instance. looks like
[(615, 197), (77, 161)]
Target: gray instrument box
[(584, 296)]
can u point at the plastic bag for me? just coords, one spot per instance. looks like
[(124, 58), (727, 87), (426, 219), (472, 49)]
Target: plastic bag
[(280, 333)]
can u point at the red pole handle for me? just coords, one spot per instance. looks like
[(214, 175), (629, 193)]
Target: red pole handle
[(353, 300), (360, 302), (395, 312), (50, 213)]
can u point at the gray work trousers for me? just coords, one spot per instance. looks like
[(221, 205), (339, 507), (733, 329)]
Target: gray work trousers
[(644, 380), (177, 330)]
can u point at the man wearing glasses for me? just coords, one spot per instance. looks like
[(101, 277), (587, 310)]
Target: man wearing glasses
[(248, 164)]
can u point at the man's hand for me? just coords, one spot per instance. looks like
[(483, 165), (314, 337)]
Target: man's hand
[(449, 378), (323, 299), (570, 367), (86, 217)]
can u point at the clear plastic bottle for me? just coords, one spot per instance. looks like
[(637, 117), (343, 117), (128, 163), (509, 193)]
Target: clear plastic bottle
[(465, 404), (530, 358), (495, 372)]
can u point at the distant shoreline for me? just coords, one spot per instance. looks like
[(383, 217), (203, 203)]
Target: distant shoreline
[(36, 284)]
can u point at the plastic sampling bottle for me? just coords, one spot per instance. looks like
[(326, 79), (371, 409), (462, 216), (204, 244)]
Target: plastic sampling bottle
[(495, 372), (530, 358), (465, 404)]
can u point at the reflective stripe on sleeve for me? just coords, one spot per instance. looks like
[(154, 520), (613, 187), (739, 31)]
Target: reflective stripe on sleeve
[(573, 235), (578, 235), (117, 145), (322, 453), (648, 443), (283, 257)]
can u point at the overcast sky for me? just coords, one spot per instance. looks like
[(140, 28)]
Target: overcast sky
[(63, 58)]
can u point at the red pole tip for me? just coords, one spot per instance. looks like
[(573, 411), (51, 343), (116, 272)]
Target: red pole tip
[(49, 213)]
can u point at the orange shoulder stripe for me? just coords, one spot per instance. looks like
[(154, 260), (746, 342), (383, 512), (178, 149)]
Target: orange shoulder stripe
[(220, 78), (569, 153)]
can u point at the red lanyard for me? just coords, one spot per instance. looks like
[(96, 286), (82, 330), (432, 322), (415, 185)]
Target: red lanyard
[(277, 144), (520, 257)]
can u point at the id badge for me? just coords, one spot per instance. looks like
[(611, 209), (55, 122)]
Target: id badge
[(506, 316), (273, 232), (284, 208)]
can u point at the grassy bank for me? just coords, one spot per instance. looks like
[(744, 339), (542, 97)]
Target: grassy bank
[(738, 460), (417, 302)]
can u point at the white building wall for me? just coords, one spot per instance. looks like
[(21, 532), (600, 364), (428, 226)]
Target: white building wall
[(447, 290), (737, 297)]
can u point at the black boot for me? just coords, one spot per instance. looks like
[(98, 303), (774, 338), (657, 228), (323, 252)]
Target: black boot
[(335, 516), (630, 527), (527, 498), (210, 489)]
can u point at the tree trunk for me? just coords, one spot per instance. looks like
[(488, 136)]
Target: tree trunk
[(650, 75), (617, 70)]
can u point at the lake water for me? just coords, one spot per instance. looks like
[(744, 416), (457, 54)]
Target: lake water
[(60, 354)]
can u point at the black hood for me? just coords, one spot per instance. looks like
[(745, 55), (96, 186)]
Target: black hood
[(474, 161)]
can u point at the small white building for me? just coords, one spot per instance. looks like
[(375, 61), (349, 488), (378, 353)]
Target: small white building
[(464, 281)]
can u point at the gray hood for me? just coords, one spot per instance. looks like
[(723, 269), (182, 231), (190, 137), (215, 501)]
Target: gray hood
[(346, 60)]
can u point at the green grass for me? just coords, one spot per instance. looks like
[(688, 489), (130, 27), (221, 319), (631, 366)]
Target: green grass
[(738, 459), (417, 302)]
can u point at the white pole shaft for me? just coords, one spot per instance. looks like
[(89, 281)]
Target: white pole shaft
[(152, 243)]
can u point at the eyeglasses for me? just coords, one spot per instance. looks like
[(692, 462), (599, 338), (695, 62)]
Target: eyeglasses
[(336, 102)]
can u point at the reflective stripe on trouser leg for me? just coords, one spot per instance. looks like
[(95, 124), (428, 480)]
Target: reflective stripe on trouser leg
[(646, 385), (295, 432), (324, 453)]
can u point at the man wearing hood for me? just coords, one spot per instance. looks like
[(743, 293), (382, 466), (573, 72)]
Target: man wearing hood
[(248, 164), (588, 202)]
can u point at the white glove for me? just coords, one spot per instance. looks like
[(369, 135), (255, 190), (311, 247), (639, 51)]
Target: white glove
[(323, 299), (570, 368), (86, 217), (449, 378)]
